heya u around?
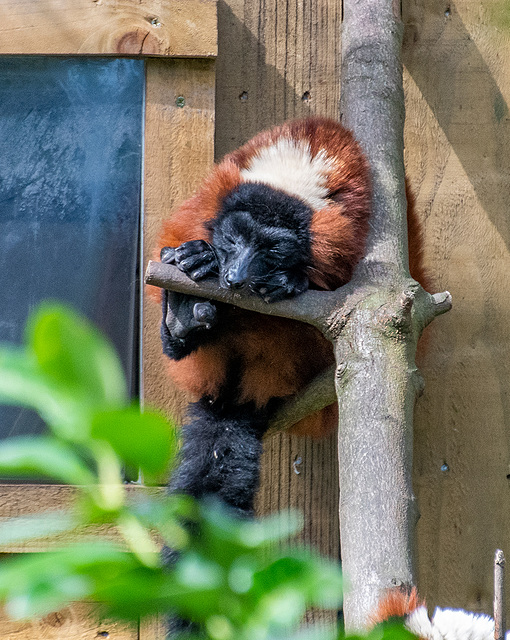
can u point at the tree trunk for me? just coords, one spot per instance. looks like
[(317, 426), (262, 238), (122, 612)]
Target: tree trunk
[(377, 381), (376, 378)]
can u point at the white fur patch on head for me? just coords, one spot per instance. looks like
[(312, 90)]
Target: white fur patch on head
[(450, 624), (288, 165)]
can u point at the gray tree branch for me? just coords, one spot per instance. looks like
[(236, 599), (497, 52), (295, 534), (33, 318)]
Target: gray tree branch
[(377, 393), (309, 307), (329, 311)]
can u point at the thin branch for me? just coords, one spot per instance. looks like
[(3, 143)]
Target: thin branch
[(499, 596), (318, 394)]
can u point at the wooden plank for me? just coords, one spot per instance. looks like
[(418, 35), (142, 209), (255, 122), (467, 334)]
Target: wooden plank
[(179, 134), (21, 500), (276, 61), (457, 59), (184, 28), (153, 629), (80, 621), (28, 499)]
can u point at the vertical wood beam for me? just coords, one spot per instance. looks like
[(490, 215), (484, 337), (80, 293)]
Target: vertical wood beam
[(179, 152)]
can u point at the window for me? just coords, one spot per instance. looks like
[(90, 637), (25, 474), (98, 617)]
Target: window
[(70, 199)]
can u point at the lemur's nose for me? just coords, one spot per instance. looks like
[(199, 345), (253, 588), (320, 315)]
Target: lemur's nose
[(234, 279), (238, 270)]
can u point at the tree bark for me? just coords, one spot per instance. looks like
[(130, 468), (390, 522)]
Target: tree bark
[(379, 382), (374, 323)]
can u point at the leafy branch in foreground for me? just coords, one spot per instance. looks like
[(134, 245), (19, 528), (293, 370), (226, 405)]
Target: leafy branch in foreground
[(231, 578)]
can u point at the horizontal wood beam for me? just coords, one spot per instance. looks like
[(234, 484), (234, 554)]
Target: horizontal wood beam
[(175, 28), (23, 500)]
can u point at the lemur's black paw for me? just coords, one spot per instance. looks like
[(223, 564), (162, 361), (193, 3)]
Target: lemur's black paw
[(167, 255), (196, 259), (282, 286), (185, 315)]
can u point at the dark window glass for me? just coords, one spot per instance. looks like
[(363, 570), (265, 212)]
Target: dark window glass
[(70, 182)]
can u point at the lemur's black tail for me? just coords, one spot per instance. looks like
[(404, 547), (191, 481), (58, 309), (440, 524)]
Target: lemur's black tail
[(220, 454)]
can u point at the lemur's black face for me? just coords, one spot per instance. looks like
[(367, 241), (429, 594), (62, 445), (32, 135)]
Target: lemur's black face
[(267, 260)]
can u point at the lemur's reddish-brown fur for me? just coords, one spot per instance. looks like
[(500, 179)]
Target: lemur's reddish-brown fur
[(279, 356), (397, 603)]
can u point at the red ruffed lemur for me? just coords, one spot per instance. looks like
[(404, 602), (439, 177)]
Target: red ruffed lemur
[(445, 624), (286, 212)]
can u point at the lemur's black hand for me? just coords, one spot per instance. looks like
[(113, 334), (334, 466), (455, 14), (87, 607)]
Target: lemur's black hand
[(281, 286), (195, 258), (186, 313), (186, 319)]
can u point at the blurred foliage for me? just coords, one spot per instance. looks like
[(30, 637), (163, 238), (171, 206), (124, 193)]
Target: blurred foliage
[(234, 578)]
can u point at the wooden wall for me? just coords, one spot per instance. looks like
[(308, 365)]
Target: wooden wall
[(457, 59), (281, 59)]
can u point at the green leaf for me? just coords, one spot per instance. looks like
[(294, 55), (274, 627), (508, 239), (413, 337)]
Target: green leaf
[(273, 528), (284, 571), (319, 582), (197, 572), (46, 456), (144, 440), (67, 369), (392, 629), (166, 514), (241, 574), (325, 584), (23, 384), (46, 594), (226, 537), (133, 594), (74, 355), (283, 607), (38, 583)]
